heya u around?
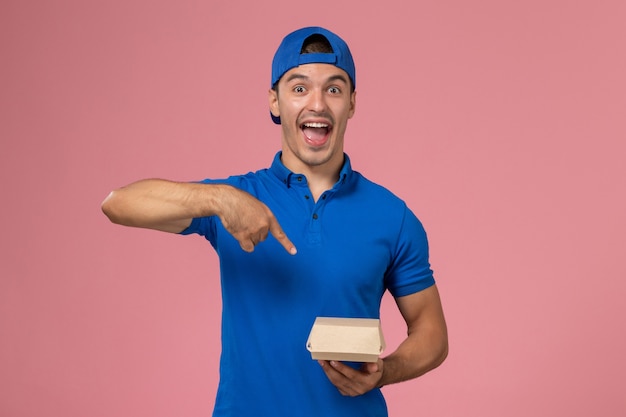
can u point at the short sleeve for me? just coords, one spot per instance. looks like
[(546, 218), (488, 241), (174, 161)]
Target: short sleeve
[(204, 226), (410, 270)]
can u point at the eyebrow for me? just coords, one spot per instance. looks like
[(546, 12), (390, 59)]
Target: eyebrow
[(336, 77)]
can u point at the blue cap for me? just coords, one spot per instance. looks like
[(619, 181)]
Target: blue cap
[(289, 55)]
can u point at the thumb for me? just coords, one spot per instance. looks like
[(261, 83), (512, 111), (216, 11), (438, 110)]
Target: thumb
[(371, 367), (281, 236)]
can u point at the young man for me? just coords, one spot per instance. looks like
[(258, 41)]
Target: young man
[(354, 241)]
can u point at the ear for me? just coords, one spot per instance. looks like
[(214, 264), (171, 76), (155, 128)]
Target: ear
[(352, 104), (273, 102)]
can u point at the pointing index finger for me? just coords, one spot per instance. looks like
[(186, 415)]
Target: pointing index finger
[(281, 236)]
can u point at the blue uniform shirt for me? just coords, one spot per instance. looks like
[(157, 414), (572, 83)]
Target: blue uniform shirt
[(355, 242)]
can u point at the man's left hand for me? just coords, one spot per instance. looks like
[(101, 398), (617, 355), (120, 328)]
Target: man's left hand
[(353, 382)]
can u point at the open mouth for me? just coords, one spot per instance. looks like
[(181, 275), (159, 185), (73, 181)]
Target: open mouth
[(316, 132)]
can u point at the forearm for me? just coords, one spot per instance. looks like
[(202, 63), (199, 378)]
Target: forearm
[(417, 354), (426, 345), (161, 204)]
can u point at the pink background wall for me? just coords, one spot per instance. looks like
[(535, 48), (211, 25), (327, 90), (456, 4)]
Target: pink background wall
[(501, 123)]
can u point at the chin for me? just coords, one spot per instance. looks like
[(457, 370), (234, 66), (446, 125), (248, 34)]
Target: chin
[(315, 159)]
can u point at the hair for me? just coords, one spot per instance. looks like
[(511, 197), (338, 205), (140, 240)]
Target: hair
[(316, 44)]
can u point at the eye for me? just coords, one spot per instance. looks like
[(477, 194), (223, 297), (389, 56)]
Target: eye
[(299, 89), (334, 90)]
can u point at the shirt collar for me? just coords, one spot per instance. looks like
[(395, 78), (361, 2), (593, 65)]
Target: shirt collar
[(287, 177)]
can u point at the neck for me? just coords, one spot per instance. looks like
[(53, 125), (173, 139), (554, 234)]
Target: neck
[(319, 183), (321, 177)]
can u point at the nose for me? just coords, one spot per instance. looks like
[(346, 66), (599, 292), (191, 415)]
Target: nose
[(317, 101)]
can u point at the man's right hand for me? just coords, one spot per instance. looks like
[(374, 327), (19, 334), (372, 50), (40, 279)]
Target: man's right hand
[(249, 220)]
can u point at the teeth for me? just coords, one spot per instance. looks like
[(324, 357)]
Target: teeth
[(318, 125)]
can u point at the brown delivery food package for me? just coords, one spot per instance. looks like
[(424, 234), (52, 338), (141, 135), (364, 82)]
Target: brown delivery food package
[(346, 339)]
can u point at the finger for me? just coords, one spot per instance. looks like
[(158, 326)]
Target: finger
[(351, 381), (344, 369), (343, 376), (338, 379), (281, 236), (371, 367), (247, 245)]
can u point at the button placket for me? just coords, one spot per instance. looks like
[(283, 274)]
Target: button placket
[(315, 223)]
